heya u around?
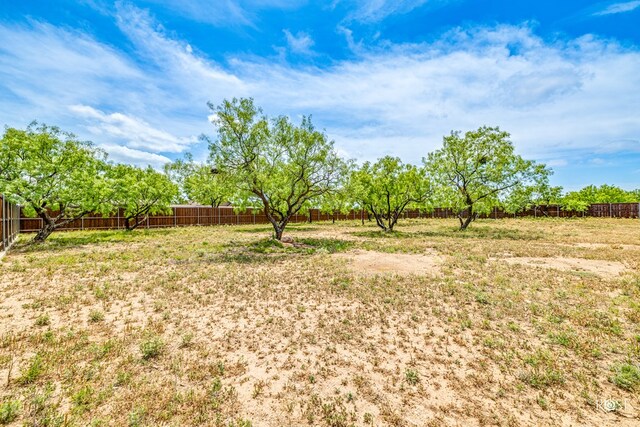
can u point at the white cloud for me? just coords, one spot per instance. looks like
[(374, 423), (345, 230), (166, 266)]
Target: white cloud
[(622, 7), (554, 163), (372, 11), (226, 13), (578, 94), (138, 133), (300, 43), (556, 98), (123, 154)]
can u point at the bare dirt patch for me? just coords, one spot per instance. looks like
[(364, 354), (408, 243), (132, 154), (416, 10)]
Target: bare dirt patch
[(607, 269), (220, 327), (605, 246), (372, 263)]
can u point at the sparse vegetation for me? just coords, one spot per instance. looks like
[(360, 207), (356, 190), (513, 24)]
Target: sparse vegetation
[(151, 347), (346, 326), (9, 411)]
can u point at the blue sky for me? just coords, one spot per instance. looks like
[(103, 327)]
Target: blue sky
[(381, 77)]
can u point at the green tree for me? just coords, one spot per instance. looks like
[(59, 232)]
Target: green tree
[(339, 200), (274, 163), (536, 196), (53, 176), (200, 183), (388, 187), (475, 170), (591, 194), (140, 193), (573, 201)]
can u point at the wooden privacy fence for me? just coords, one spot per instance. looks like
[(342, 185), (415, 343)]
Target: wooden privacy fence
[(182, 216), (9, 223), (187, 215)]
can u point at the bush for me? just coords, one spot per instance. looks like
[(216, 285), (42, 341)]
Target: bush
[(626, 376), (9, 411), (151, 348)]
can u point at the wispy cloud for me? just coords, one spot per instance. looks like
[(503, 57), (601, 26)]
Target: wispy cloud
[(227, 13), (124, 154), (555, 97), (300, 43), (376, 10), (621, 7), (135, 131)]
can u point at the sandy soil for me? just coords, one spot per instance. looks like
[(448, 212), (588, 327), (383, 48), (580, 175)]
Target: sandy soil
[(605, 269), (372, 263)]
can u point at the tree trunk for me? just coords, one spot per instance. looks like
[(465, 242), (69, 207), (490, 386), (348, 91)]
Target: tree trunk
[(380, 220), (136, 223), (44, 233), (48, 226), (278, 232), (470, 217)]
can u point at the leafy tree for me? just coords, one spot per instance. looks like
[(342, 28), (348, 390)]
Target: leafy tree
[(339, 200), (538, 195), (273, 162), (335, 203), (475, 170), (200, 183), (140, 193), (357, 194), (388, 187), (53, 176), (591, 194), (573, 201)]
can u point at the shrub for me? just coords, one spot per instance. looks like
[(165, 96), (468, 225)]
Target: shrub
[(9, 411), (626, 376), (96, 316), (151, 348)]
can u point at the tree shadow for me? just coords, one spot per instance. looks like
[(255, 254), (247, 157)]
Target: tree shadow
[(269, 250), (71, 239), (473, 232)]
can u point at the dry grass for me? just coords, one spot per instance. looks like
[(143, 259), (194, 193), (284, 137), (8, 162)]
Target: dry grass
[(221, 327)]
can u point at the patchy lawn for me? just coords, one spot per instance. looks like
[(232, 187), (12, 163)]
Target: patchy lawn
[(514, 322)]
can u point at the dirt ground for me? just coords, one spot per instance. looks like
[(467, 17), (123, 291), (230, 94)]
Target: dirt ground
[(514, 322)]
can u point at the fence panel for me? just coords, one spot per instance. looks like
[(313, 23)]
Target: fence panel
[(9, 223), (187, 215)]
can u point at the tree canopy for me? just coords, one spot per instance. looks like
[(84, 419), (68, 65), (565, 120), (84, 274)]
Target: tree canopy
[(387, 187), (53, 175), (282, 166), (537, 196), (140, 193), (475, 170), (200, 183)]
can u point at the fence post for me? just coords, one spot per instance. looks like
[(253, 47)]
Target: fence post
[(610, 213), (2, 227), (175, 217)]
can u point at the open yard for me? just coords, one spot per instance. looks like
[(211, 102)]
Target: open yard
[(514, 322)]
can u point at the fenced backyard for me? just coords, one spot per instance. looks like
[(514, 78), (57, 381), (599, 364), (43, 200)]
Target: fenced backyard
[(189, 215), (9, 223)]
